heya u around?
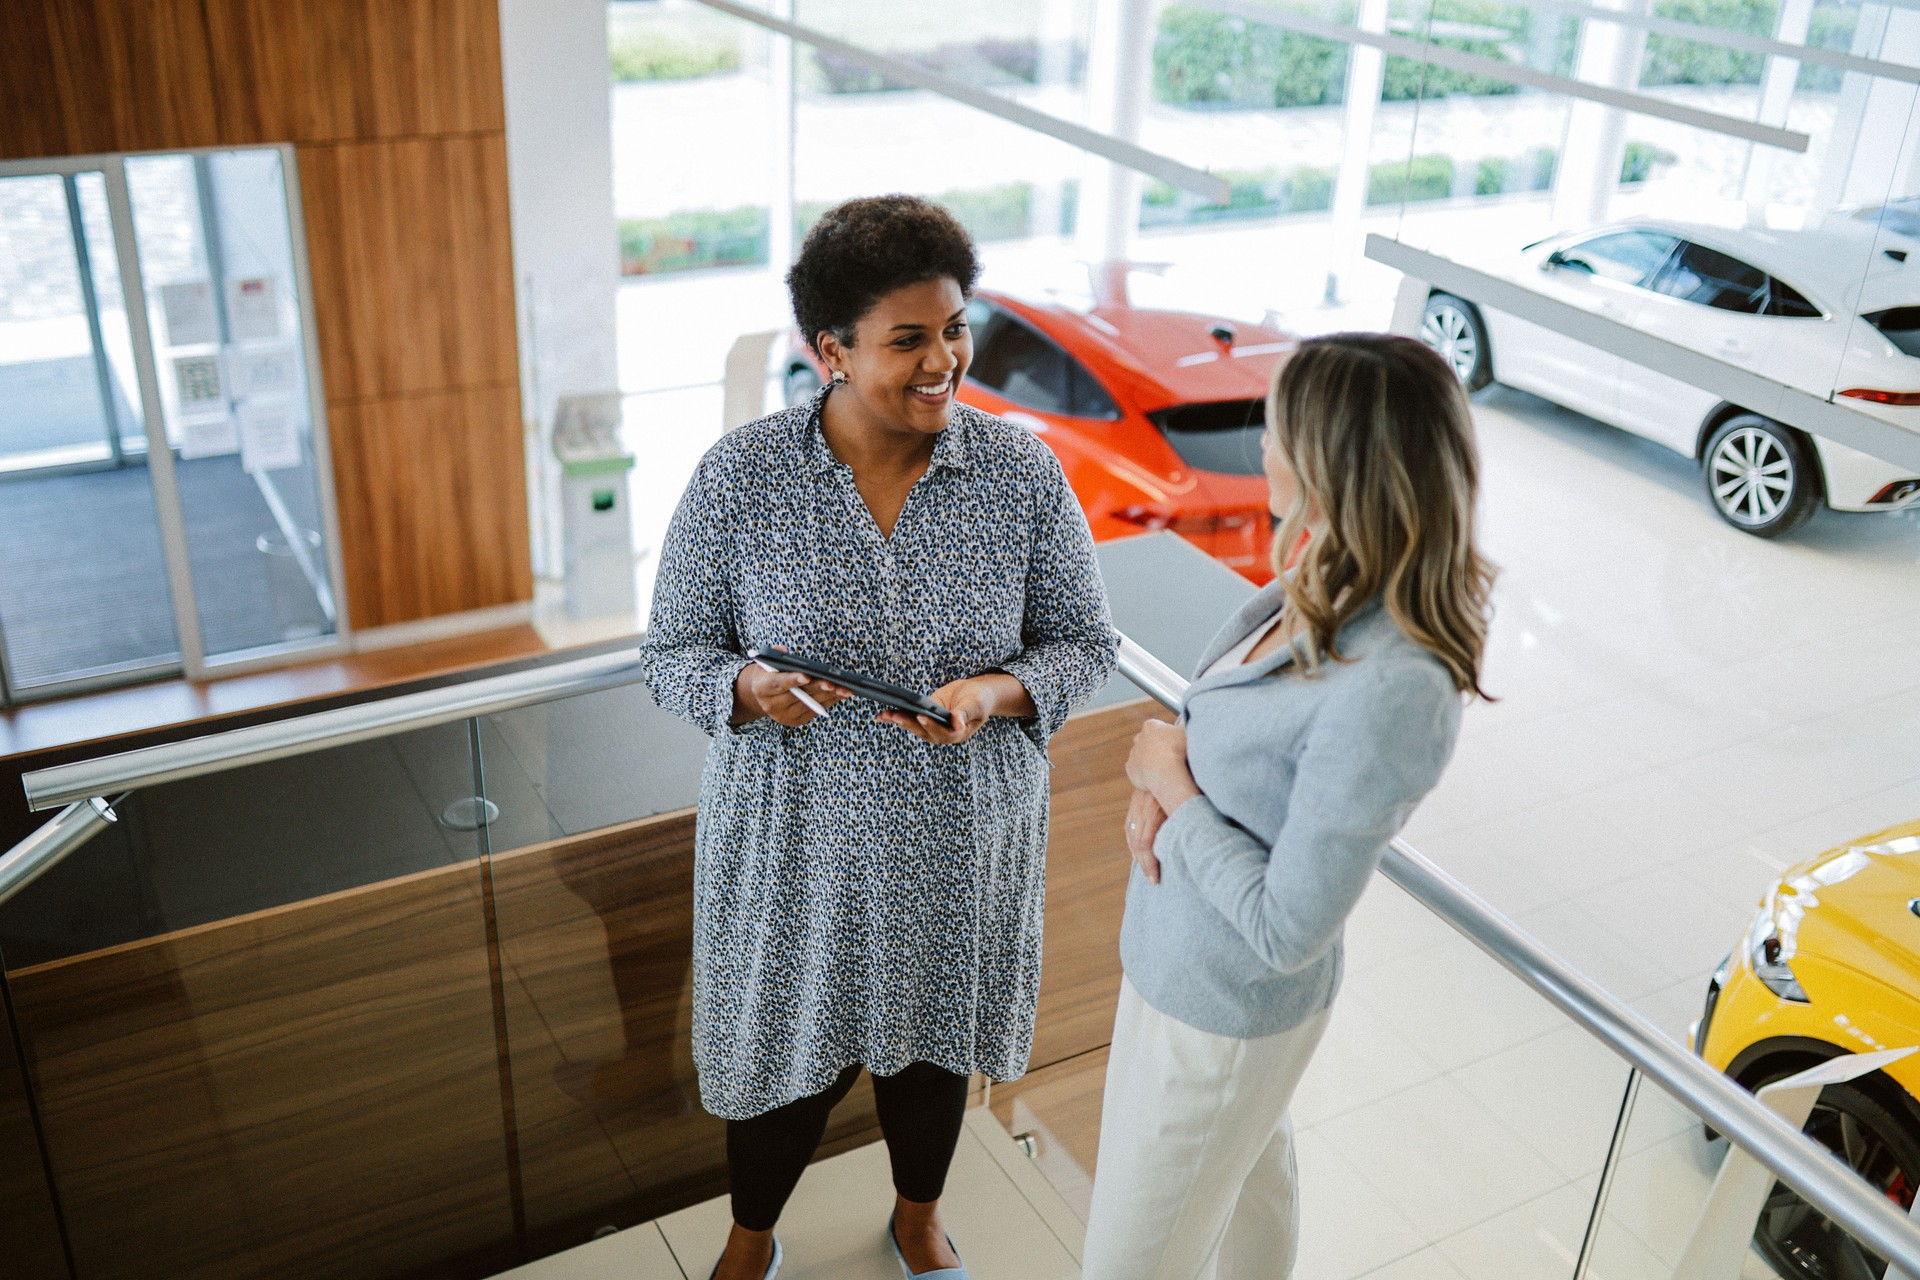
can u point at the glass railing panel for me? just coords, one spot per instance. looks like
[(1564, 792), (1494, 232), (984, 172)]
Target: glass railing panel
[(592, 870), (259, 1021), (29, 1229), (1676, 1206)]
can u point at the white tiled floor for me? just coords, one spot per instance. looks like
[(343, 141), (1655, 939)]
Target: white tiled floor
[(1007, 1221)]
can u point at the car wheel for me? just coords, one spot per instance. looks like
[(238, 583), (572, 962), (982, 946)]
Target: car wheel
[(1877, 1143), (1763, 478), (1452, 327), (802, 382)]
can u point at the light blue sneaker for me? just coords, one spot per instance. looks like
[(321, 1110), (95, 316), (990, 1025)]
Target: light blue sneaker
[(942, 1273), (773, 1267)]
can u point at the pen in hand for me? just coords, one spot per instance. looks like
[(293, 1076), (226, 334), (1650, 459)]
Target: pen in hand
[(805, 699)]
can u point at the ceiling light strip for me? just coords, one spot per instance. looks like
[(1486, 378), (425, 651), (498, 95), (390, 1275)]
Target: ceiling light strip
[(1730, 382), (1732, 39), (1151, 163), (1511, 72)]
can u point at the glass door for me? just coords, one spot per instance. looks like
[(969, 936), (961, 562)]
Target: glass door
[(223, 305), (164, 503), (83, 578)]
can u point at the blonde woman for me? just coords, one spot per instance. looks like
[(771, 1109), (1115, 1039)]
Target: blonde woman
[(1320, 715)]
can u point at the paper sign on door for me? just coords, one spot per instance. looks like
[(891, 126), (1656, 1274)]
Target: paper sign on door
[(269, 437)]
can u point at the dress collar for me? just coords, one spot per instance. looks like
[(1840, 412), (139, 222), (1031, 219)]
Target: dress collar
[(951, 451)]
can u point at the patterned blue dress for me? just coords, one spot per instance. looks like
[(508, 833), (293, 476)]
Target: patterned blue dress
[(860, 895)]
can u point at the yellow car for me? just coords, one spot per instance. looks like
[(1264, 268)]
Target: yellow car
[(1830, 966)]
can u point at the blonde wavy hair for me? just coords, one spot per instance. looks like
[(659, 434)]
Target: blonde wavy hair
[(1377, 430)]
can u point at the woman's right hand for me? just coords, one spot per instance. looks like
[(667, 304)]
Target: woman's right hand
[(1144, 816), (759, 692)]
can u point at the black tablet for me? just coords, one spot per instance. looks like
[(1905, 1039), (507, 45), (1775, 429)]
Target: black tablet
[(887, 695)]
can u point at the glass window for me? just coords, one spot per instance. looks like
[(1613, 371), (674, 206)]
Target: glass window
[(1785, 300), (1090, 399), (1629, 257), (1031, 369), (1713, 279), (1025, 366)]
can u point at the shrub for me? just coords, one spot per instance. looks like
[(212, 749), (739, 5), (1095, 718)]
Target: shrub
[(1404, 80), (1641, 159), (1309, 190), (988, 213), (1201, 58), (654, 55), (1427, 177), (693, 238), (1530, 172), (1251, 193)]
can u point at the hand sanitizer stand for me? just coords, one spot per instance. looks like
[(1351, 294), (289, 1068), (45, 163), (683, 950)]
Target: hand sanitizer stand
[(597, 527)]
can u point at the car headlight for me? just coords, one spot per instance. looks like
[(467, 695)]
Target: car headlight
[(1768, 956)]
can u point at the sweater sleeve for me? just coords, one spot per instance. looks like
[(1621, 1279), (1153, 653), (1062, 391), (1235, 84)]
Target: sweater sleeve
[(1372, 751), (1066, 630), (691, 652)]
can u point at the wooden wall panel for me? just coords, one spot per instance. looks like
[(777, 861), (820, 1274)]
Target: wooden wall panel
[(1087, 865), (397, 112), (412, 269), (87, 76), (433, 504), (311, 1091)]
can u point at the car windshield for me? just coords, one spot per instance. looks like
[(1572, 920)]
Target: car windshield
[(1221, 435)]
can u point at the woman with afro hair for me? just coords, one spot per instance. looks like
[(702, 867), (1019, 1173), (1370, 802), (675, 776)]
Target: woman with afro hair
[(868, 884)]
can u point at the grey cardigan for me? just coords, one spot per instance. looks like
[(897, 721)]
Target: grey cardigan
[(1304, 780)]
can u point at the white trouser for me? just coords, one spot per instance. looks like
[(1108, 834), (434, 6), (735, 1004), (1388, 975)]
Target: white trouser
[(1195, 1177)]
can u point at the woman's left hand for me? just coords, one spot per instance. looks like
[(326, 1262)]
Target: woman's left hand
[(969, 702), (1158, 764)]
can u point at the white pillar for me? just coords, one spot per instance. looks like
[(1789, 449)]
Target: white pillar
[(1588, 172), (1059, 27), (1365, 68), (780, 210), (566, 245), (1119, 85), (1776, 95), (1875, 127)]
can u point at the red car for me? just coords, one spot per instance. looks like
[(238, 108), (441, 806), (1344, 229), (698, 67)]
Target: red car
[(1156, 415)]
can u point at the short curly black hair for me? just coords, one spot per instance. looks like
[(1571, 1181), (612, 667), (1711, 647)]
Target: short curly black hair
[(864, 249)]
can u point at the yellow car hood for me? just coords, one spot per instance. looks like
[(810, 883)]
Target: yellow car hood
[(1850, 906)]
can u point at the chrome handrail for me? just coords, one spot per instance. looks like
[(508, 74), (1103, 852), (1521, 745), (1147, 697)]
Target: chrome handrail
[(33, 857), (255, 744), (1794, 1158)]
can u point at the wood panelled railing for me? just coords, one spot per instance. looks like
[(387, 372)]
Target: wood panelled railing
[(317, 1089)]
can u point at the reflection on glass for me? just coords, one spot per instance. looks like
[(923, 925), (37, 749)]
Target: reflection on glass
[(83, 588), (283, 973), (592, 879), (217, 257)]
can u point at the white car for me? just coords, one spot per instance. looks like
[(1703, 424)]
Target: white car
[(1833, 311)]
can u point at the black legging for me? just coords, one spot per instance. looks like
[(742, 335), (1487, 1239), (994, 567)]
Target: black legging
[(921, 1110)]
